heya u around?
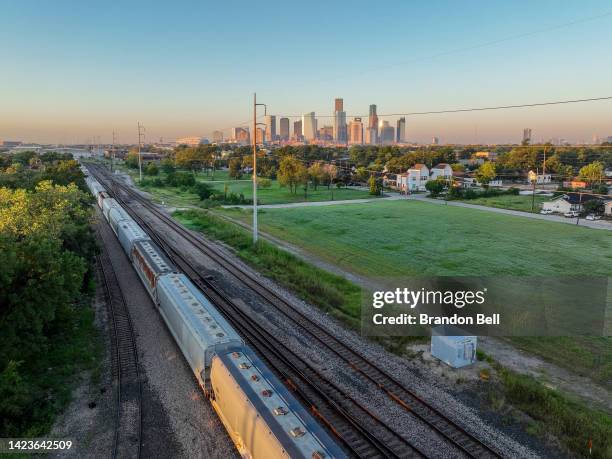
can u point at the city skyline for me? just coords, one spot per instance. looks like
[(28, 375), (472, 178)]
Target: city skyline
[(97, 75)]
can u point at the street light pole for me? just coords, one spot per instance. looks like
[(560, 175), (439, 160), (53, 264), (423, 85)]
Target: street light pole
[(140, 129), (254, 168)]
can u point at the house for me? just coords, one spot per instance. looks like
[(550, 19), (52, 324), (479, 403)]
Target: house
[(390, 180), (442, 170), (608, 208), (574, 184), (568, 202), (539, 179), (415, 179), (471, 182)]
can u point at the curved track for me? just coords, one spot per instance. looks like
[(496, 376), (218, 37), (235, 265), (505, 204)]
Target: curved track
[(404, 397), (128, 423)]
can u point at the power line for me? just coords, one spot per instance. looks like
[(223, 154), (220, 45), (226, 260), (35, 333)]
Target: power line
[(472, 109)]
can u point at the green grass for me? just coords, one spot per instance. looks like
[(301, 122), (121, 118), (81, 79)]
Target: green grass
[(328, 291), (512, 202), (588, 356), (553, 413), (408, 238)]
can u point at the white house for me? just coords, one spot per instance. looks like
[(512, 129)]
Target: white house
[(441, 170), (608, 208), (539, 178), (415, 179), (567, 202)]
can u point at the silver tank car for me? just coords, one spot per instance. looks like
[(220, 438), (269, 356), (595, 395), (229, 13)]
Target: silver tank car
[(262, 417), (102, 196), (197, 326), (107, 204), (150, 263), (129, 232), (115, 216)]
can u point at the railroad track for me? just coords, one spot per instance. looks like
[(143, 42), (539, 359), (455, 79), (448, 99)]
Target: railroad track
[(403, 396), (128, 422)]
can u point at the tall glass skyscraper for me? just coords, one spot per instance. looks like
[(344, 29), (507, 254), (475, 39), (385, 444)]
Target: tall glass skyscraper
[(309, 126), (339, 121)]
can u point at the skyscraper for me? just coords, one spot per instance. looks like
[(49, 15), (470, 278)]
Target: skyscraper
[(339, 105), (217, 136), (372, 132), (400, 130), (387, 133), (297, 130), (356, 132), (260, 134), (284, 129), (241, 135), (339, 121), (326, 133), (309, 126), (527, 135), (270, 128)]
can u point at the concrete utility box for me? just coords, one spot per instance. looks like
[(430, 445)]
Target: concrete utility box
[(454, 350)]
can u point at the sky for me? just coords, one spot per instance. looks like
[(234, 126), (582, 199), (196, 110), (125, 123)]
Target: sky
[(72, 71)]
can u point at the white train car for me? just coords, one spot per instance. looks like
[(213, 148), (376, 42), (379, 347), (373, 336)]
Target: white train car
[(197, 326), (262, 417), (150, 264), (94, 186), (107, 205), (115, 216), (128, 232)]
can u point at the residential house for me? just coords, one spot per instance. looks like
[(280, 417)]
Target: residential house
[(442, 170), (608, 208), (568, 202), (415, 179)]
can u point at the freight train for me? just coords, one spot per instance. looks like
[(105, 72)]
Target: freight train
[(263, 419)]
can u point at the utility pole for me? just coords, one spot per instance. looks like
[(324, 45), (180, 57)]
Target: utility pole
[(254, 135), (140, 135), (112, 153)]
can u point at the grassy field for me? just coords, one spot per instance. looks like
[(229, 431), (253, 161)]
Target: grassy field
[(276, 194), (407, 238), (512, 202)]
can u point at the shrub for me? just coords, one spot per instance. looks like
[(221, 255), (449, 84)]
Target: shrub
[(203, 190), (151, 169), (180, 179)]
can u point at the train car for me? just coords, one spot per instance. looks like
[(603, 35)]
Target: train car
[(128, 232), (150, 263), (101, 197), (262, 417), (116, 215), (197, 326), (94, 186), (107, 205)]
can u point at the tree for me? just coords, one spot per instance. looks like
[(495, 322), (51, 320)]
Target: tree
[(131, 160), (592, 173), (291, 172), (203, 190), (235, 169), (193, 159), (151, 169), (361, 175), (485, 173), (435, 187), (167, 166), (330, 174), (316, 174)]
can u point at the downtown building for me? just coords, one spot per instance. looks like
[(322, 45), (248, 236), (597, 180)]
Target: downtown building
[(284, 129), (355, 132), (217, 136), (400, 130), (340, 128), (270, 122), (372, 129), (309, 127), (297, 131), (386, 133), (241, 135)]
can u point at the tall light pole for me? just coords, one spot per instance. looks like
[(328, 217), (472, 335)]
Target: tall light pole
[(140, 135), (254, 135), (112, 152)]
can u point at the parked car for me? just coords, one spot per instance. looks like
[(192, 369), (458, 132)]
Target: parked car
[(546, 211), (593, 217), (572, 214)]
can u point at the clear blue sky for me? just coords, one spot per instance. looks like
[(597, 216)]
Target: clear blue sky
[(74, 69)]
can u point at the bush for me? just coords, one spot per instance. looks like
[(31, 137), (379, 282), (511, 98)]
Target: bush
[(203, 190), (180, 179), (151, 169), (263, 182)]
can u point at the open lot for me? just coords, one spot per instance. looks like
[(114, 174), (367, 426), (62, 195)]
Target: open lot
[(418, 238), (512, 202)]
